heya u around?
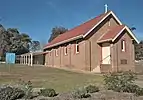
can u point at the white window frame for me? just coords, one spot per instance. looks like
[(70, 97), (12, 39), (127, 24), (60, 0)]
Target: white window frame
[(65, 50), (77, 45), (123, 44), (56, 52)]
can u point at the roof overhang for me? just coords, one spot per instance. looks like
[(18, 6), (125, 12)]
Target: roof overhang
[(65, 41), (125, 28), (130, 33), (34, 53)]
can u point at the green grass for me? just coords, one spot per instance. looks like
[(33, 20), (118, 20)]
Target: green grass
[(60, 80)]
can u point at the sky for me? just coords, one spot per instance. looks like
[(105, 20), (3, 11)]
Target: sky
[(38, 17)]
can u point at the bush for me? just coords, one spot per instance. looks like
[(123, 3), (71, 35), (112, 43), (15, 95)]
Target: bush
[(119, 81), (27, 88), (122, 82), (48, 92), (92, 89), (139, 91), (130, 88), (11, 93), (80, 93)]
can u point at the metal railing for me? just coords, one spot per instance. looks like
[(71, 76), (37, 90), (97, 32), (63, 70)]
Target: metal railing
[(105, 58)]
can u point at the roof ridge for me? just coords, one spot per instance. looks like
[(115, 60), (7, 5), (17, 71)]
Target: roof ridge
[(82, 24), (78, 31)]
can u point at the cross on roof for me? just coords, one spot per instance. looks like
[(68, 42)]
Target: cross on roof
[(106, 8)]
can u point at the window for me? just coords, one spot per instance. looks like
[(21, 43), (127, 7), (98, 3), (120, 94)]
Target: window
[(123, 61), (50, 53), (123, 45), (77, 47), (56, 52), (65, 50)]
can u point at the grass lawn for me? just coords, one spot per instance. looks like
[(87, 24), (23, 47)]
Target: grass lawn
[(60, 80)]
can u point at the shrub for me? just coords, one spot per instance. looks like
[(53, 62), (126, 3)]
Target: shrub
[(80, 93), (122, 82), (11, 93), (27, 88), (119, 81), (48, 92), (139, 91), (130, 88), (92, 89)]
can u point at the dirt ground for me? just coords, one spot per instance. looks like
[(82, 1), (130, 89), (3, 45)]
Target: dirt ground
[(102, 95)]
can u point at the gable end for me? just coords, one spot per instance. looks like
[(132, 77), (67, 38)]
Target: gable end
[(130, 33), (110, 13)]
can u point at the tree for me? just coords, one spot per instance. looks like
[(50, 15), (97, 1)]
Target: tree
[(56, 31), (138, 48), (18, 43), (35, 46), (3, 41), (11, 40), (141, 42), (25, 39), (14, 39), (42, 44), (132, 28), (139, 51)]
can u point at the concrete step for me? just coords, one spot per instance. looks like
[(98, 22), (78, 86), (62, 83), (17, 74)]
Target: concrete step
[(105, 68)]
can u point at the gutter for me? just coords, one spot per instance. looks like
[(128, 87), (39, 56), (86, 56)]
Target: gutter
[(65, 41)]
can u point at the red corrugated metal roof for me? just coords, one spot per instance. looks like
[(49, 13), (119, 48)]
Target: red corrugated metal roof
[(77, 31), (111, 33)]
